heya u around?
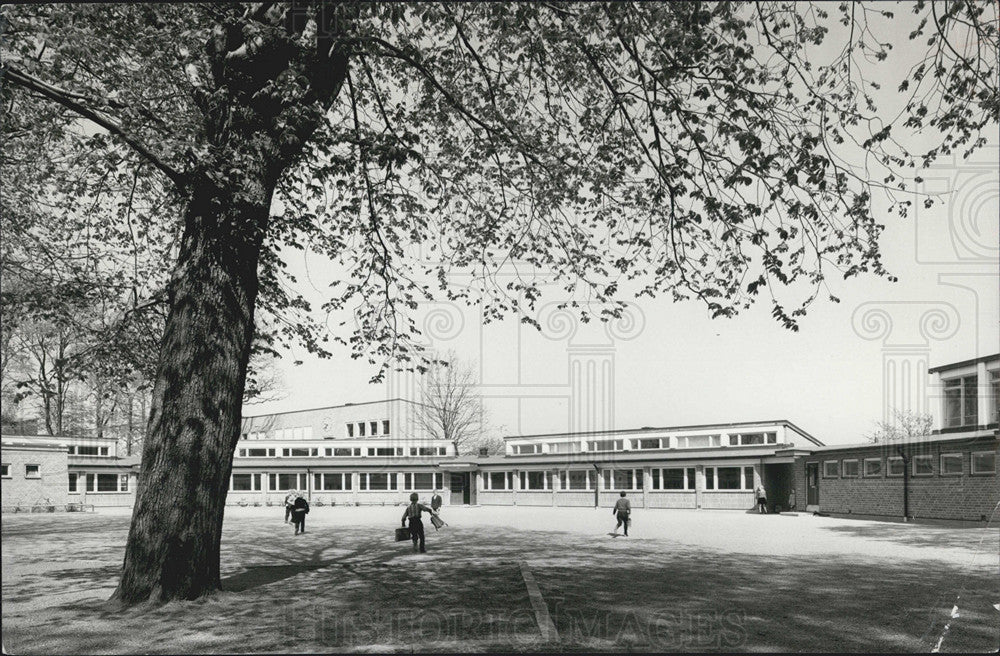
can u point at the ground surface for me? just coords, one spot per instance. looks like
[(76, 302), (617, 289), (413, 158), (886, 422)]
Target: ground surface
[(683, 581)]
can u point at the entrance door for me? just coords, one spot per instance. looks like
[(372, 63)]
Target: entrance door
[(460, 488), (812, 483)]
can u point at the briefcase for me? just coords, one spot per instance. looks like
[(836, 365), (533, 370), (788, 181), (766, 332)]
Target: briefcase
[(437, 521), (402, 534)]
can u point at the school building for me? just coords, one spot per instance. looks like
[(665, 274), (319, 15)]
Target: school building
[(376, 453)]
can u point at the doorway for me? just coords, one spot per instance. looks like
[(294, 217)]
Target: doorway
[(460, 489), (812, 483), (778, 485)]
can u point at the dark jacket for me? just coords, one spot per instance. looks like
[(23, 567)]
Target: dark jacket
[(622, 506), (436, 501), (300, 505)]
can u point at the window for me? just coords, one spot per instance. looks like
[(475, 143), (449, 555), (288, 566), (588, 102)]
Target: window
[(87, 450), (258, 453), (5, 470), (107, 482), (242, 483), (32, 471), (698, 441), (377, 481), (385, 426), (72, 483), (923, 465), (284, 482), (524, 449), (728, 478), (499, 481), (104, 450), (564, 447), (873, 467), (350, 430), (425, 451), (123, 482), (995, 396), (578, 479), (361, 429), (984, 462), (385, 451), (894, 467), (419, 481), (670, 479), (332, 482), (622, 479), (299, 452), (649, 443), (831, 468), (951, 464), (606, 445), (960, 402), (851, 468), (535, 480)]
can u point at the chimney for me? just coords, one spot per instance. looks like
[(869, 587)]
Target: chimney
[(483, 451)]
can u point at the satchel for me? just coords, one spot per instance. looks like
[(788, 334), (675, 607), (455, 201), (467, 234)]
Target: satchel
[(402, 534)]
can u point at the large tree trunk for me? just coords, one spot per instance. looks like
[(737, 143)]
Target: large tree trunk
[(173, 544)]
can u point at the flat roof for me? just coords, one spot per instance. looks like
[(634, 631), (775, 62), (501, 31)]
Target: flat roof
[(671, 429), (58, 438), (329, 407), (321, 462), (610, 457), (963, 363), (923, 439)]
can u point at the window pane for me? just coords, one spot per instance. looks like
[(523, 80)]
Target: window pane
[(385, 427), (753, 438), (923, 465), (342, 452), (498, 480), (536, 480), (123, 482), (850, 468), (729, 478), (873, 467), (690, 478), (378, 481), (673, 479), (895, 466), (748, 478), (971, 402), (423, 481), (651, 443), (578, 479), (287, 481), (623, 479), (831, 468), (107, 482), (953, 406), (72, 481), (951, 463), (709, 478), (984, 463), (242, 482)]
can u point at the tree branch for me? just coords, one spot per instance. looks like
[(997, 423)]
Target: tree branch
[(68, 100)]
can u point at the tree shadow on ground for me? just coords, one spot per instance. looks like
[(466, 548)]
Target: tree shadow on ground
[(917, 535), (355, 589)]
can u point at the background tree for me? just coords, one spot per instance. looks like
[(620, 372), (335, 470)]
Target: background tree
[(902, 426), (690, 150), (451, 407)]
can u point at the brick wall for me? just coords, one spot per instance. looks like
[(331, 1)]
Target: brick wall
[(21, 492), (962, 496)]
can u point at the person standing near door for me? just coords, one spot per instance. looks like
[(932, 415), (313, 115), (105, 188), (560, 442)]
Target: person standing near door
[(436, 501), (761, 499)]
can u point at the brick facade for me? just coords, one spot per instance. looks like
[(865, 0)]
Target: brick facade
[(964, 496)]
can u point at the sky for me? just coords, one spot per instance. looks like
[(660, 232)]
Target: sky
[(676, 366)]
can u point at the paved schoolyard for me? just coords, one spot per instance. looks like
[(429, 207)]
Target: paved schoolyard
[(683, 581)]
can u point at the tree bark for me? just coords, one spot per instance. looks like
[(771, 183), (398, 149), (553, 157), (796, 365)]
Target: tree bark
[(174, 541)]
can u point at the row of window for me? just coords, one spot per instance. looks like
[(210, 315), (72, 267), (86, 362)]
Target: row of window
[(98, 483), (951, 464), (299, 433), (646, 443), (337, 481), (88, 450), (360, 428), (30, 471), (338, 452), (672, 478)]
